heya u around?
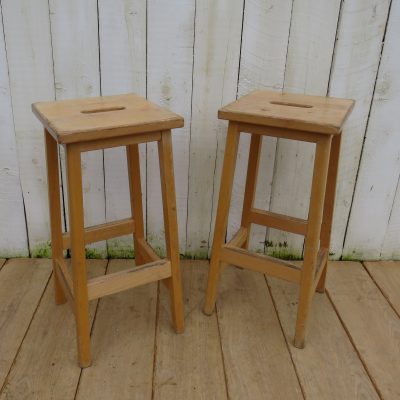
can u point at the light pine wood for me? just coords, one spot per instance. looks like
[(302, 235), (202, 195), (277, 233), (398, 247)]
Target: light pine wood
[(123, 341), (189, 366), (135, 191), (22, 282), (256, 359), (103, 117), (311, 246), (76, 223), (251, 185), (371, 322), (342, 376), (386, 275), (130, 278), (329, 204), (46, 363), (286, 110), (171, 227), (221, 222), (53, 183), (103, 231)]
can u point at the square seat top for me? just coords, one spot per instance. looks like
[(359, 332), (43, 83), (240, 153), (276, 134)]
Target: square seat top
[(71, 121), (290, 111)]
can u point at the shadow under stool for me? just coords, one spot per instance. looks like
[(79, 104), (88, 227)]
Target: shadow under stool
[(304, 118), (99, 123)]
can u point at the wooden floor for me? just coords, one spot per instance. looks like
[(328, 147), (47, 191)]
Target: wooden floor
[(244, 351)]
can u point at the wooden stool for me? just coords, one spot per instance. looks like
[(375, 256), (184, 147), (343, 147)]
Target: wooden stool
[(297, 117), (99, 123)]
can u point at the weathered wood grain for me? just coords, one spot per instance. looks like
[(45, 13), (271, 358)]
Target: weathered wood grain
[(46, 366), (122, 343), (189, 365), (22, 282), (371, 323), (328, 367), (256, 359)]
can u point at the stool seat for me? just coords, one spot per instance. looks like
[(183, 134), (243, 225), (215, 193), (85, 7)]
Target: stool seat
[(290, 111), (71, 121)]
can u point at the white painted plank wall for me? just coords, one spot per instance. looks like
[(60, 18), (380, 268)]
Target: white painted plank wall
[(194, 56), (309, 58), (218, 32), (379, 173), (13, 239), (170, 41), (122, 34), (74, 29)]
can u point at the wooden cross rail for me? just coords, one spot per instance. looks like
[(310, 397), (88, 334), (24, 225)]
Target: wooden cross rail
[(105, 231)]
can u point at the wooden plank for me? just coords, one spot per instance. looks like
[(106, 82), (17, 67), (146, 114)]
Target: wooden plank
[(28, 43), (386, 274), (2, 262), (261, 263), (239, 239), (343, 376), (170, 39), (309, 57), (265, 35), (218, 28), (354, 68), (146, 251), (22, 282), (13, 239), (257, 361), (123, 344), (127, 279), (371, 323), (189, 366), (379, 173), (103, 231), (278, 221), (46, 364), (122, 32), (76, 70)]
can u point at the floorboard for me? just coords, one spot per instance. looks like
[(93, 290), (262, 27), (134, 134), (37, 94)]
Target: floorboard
[(371, 323), (122, 343), (189, 365), (22, 282), (2, 262), (328, 367), (257, 361), (46, 366), (386, 275)]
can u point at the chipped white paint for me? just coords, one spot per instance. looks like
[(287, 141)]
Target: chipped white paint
[(122, 29), (166, 46), (13, 239), (76, 71), (372, 221)]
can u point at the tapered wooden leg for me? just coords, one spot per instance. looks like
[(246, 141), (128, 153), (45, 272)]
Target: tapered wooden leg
[(132, 154), (76, 223), (171, 227), (53, 182), (329, 205), (312, 238), (251, 183), (228, 170)]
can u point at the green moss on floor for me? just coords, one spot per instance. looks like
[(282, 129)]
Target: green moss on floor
[(42, 250), (117, 251)]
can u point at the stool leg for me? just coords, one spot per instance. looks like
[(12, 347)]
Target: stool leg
[(171, 227), (228, 170), (312, 238), (329, 204), (76, 223), (135, 187), (251, 182), (53, 181)]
